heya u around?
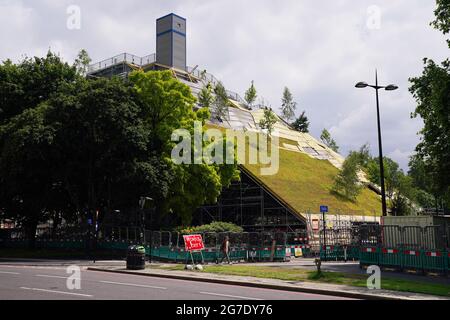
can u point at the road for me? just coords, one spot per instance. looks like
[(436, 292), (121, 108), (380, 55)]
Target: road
[(21, 281)]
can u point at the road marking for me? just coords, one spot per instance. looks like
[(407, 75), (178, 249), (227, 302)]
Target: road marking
[(50, 276), (6, 272), (229, 296), (59, 292), (133, 285)]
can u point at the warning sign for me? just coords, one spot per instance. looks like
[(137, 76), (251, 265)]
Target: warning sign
[(193, 242)]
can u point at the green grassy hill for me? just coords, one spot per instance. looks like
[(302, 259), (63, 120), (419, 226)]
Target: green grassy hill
[(305, 184)]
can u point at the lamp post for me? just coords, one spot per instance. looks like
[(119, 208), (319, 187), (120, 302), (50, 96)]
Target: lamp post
[(142, 202), (390, 87)]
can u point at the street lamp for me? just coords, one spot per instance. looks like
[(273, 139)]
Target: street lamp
[(391, 87), (142, 202)]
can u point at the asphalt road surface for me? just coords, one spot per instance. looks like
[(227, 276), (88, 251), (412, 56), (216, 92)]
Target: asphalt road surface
[(50, 283)]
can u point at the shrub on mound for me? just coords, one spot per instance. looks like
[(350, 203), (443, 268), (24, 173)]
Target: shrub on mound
[(212, 227)]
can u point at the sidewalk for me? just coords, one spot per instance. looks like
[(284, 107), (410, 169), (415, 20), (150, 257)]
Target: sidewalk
[(307, 287)]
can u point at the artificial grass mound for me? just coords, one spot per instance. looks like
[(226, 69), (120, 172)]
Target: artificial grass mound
[(305, 184)]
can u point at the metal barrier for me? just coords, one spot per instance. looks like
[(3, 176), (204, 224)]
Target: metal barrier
[(420, 249)]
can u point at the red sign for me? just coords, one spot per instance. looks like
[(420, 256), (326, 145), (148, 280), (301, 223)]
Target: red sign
[(193, 242)]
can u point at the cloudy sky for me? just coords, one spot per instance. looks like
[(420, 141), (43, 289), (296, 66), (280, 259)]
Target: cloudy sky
[(319, 49)]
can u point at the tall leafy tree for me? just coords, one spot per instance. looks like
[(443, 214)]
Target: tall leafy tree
[(301, 124), (251, 95), (168, 105), (26, 168), (101, 144), (432, 93), (288, 105), (27, 175), (330, 142)]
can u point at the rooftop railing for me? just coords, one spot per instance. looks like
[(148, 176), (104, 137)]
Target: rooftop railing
[(151, 58), (121, 58)]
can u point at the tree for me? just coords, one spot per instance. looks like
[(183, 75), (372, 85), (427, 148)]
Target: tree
[(442, 13), (103, 146), (82, 62), (220, 102), (399, 187), (251, 95), (431, 91), (26, 168), (268, 121), (347, 181), (31, 82), (27, 165), (301, 124), (326, 138), (205, 97), (168, 105), (288, 105), (364, 156), (424, 179), (405, 194)]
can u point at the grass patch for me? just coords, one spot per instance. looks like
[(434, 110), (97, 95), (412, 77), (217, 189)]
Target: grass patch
[(300, 275)]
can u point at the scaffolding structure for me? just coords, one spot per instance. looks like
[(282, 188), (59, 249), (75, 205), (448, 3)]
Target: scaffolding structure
[(249, 204)]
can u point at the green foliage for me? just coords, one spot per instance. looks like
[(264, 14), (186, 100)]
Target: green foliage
[(168, 105), (26, 167), (251, 95), (102, 143), (301, 124), (347, 182), (216, 226), (268, 121), (432, 93), (326, 138), (71, 146), (288, 105), (205, 97), (431, 164), (400, 189), (442, 13), (31, 82), (82, 62), (220, 102)]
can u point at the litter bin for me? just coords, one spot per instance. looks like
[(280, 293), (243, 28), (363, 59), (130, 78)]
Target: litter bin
[(136, 258)]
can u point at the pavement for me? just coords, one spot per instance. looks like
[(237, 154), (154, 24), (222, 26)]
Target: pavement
[(342, 291), (47, 280)]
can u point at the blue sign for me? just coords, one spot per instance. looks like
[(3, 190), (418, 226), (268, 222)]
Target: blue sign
[(323, 209), (89, 221)]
